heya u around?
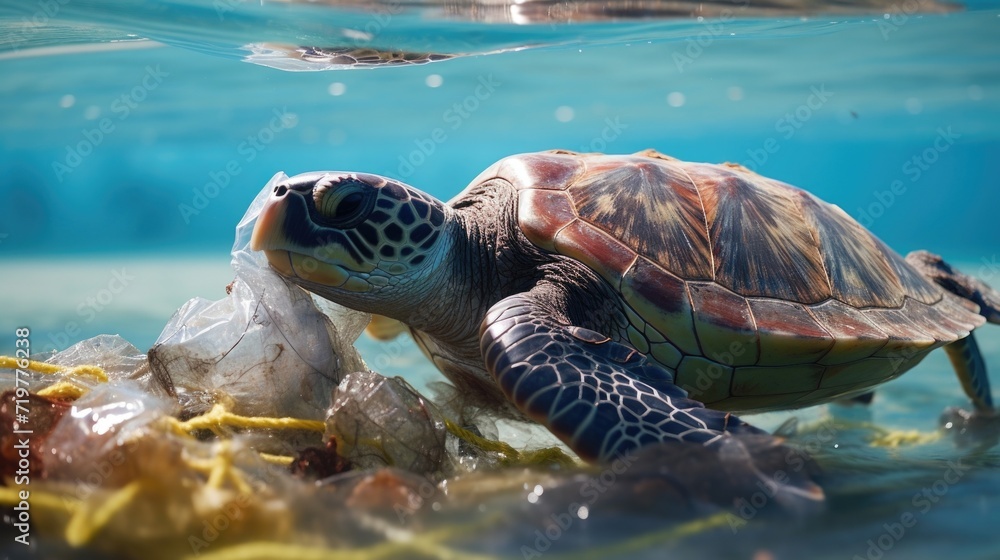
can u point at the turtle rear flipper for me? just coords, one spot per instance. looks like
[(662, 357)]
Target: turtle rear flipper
[(943, 274), (605, 399), (964, 353), (971, 369)]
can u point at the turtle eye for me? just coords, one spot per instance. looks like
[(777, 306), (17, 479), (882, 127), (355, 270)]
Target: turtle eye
[(343, 205), (350, 204)]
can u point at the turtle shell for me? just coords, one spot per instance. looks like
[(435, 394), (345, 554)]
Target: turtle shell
[(756, 294)]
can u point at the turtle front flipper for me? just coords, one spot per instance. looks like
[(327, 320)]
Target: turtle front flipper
[(605, 399), (600, 397)]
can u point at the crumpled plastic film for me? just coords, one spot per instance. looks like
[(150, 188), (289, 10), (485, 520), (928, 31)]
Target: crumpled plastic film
[(116, 356), (104, 419), (266, 348), (380, 421)]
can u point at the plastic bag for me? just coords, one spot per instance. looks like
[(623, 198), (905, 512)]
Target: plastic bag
[(380, 421), (266, 349)]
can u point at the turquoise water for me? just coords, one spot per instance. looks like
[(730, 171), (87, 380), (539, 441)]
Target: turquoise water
[(126, 164)]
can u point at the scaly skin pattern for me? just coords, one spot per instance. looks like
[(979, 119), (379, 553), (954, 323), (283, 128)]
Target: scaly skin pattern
[(608, 297), (601, 397)]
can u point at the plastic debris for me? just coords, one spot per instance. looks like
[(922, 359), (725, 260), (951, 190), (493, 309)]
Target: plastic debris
[(266, 348), (380, 421), (117, 357), (107, 418), (174, 457), (45, 413)]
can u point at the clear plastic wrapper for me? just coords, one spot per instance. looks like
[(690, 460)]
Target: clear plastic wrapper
[(108, 418), (266, 349), (112, 353), (116, 356), (380, 421)]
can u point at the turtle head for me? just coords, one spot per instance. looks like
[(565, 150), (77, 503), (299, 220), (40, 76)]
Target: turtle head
[(360, 240)]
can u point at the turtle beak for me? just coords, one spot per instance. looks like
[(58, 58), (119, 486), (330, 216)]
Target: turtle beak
[(284, 255), (267, 232)]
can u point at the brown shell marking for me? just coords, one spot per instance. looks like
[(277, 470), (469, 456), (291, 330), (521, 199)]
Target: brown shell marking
[(859, 274), (761, 245), (627, 198), (752, 235), (604, 254), (542, 171), (914, 285), (854, 337), (805, 304)]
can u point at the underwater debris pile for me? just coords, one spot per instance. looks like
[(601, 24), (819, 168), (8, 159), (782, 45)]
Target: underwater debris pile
[(254, 430), (217, 437)]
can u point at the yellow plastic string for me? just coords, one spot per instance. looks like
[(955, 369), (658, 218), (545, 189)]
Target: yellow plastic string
[(85, 524), (668, 536), (429, 544), (63, 391), (95, 372), (222, 469), (426, 544), (900, 438), (220, 417), (221, 466), (40, 500), (282, 460), (509, 455), (285, 551)]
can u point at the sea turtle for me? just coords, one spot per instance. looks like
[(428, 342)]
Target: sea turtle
[(623, 300)]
